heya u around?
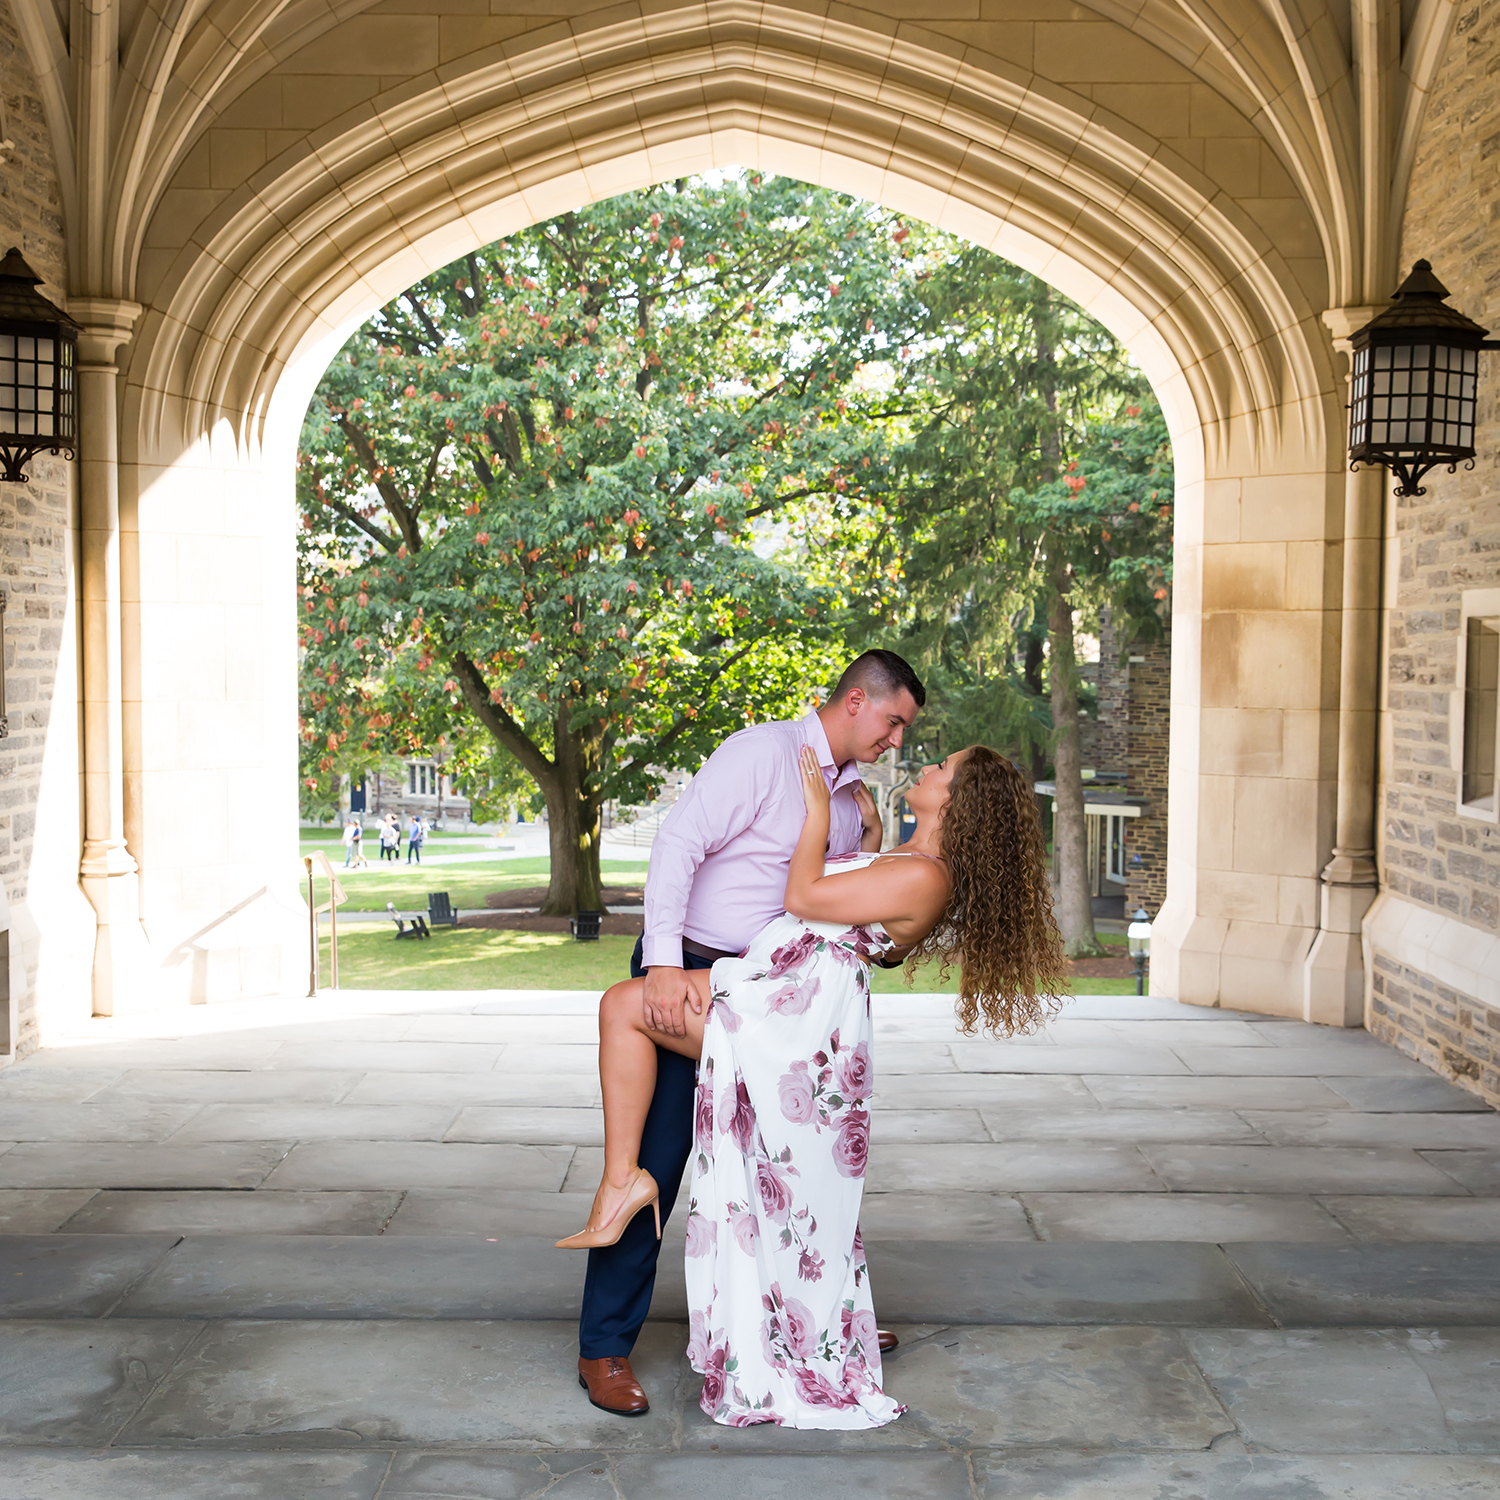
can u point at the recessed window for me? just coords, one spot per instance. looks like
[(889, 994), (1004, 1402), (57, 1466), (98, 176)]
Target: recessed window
[(422, 779), (1481, 699)]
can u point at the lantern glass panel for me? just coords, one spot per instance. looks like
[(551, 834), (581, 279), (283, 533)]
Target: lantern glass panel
[(36, 386)]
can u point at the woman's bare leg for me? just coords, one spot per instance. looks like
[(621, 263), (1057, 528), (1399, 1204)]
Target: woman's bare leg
[(627, 1075)]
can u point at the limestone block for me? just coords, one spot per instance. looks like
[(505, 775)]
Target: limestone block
[(1246, 576)]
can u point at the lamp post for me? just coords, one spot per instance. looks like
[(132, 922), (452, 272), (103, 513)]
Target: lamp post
[(1415, 383), (38, 356), (1138, 941)]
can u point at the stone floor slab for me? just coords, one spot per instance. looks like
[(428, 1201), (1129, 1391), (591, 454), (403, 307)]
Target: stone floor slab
[(1135, 1283), (1212, 1093), (1227, 1476), (238, 1052), (1290, 1169), (295, 1276), (1478, 1171), (136, 1164), (502, 1090), (1378, 1218), (891, 1476), (39, 1210), (1325, 1390), (500, 1476), (1016, 1166), (73, 1276), (33, 1474), (533, 1124), (572, 1030), (437, 1212), (1116, 1125), (1373, 1061), (205, 1211), (1070, 1387), (1373, 1285), (523, 1058), (944, 1216), (895, 1127), (387, 1057), (971, 1090), (407, 1164), (319, 1122), (1207, 1217), (76, 1384), (18, 1081), (107, 1119), (1407, 1095), (1441, 1130), (333, 1385), (223, 1086), (1000, 1057)]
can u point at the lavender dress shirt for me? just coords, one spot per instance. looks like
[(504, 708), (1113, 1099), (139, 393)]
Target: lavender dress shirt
[(719, 862)]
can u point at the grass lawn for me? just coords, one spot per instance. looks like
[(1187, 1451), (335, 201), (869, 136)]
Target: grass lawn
[(487, 959), (467, 884)]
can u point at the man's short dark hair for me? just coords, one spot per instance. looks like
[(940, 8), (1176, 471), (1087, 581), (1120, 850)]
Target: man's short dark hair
[(882, 674)]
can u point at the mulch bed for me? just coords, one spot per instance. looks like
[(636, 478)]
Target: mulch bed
[(1101, 968), (610, 926), (529, 897)]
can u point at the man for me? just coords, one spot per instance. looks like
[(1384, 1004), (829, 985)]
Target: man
[(717, 876)]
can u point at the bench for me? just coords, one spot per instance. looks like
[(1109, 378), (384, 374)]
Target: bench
[(585, 926), (418, 928), (440, 911)]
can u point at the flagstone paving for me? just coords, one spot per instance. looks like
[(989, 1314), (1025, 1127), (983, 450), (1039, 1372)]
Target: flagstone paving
[(303, 1248)]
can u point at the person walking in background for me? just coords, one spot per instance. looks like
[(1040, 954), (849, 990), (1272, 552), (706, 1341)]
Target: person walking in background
[(390, 837), (349, 835), (415, 835), (357, 847)]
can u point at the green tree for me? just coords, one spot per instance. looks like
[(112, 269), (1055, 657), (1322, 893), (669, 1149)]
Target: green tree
[(1038, 486), (569, 499)]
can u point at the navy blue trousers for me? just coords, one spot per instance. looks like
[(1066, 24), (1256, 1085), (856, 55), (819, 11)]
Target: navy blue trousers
[(617, 1290)]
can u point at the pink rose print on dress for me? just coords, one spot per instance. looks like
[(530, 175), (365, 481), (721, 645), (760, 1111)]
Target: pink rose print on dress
[(852, 1148), (797, 1325), (746, 1231), (737, 1116), (797, 1090), (729, 1018), (698, 1342), (816, 1390), (775, 1191), (703, 1109), (859, 1327), (854, 1074), (792, 955), (794, 999), (810, 1265), (701, 1234), (714, 1381)]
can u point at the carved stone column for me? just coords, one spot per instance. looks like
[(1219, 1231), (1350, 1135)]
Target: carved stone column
[(107, 871), (1334, 974)]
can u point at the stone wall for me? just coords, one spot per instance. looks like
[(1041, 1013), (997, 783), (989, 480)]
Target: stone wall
[(1443, 543), (35, 523), (1150, 668)]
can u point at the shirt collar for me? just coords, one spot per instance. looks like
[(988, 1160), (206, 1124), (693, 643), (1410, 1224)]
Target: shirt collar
[(817, 737)]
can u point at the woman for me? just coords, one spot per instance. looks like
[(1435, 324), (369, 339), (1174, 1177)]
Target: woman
[(783, 1327)]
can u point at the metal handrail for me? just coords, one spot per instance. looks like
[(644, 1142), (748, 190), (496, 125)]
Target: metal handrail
[(336, 898)]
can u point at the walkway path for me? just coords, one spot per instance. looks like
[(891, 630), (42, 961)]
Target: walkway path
[(303, 1249)]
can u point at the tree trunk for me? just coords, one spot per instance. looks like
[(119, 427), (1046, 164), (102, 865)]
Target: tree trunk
[(1075, 912), (574, 818)]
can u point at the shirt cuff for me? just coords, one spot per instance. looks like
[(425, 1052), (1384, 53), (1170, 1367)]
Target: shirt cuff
[(661, 952)]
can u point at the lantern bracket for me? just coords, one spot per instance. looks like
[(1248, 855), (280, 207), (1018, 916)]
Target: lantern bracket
[(15, 456)]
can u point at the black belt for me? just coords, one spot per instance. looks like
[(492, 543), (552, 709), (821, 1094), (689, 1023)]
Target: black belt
[(702, 950)]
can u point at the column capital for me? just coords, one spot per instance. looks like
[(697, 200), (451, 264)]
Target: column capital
[(1341, 322), (108, 322), (1352, 867)]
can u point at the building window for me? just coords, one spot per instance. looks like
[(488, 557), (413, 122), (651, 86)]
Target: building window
[(1478, 703), (1117, 848), (421, 779)]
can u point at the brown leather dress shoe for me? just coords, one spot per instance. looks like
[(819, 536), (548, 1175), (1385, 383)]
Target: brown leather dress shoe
[(888, 1340), (612, 1386)]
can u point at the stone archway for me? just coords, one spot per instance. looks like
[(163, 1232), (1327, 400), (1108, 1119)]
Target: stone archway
[(264, 288)]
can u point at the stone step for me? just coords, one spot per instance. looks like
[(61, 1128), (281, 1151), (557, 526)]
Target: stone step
[(1180, 1283)]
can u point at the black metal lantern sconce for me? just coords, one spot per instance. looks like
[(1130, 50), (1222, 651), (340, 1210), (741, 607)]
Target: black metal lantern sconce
[(38, 360), (1415, 384)]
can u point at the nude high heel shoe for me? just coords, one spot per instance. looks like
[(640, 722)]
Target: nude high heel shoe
[(643, 1190)]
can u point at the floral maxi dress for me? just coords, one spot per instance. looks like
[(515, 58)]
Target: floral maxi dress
[(782, 1320)]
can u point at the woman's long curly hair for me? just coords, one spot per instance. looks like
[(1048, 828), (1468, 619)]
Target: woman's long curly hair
[(998, 923)]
